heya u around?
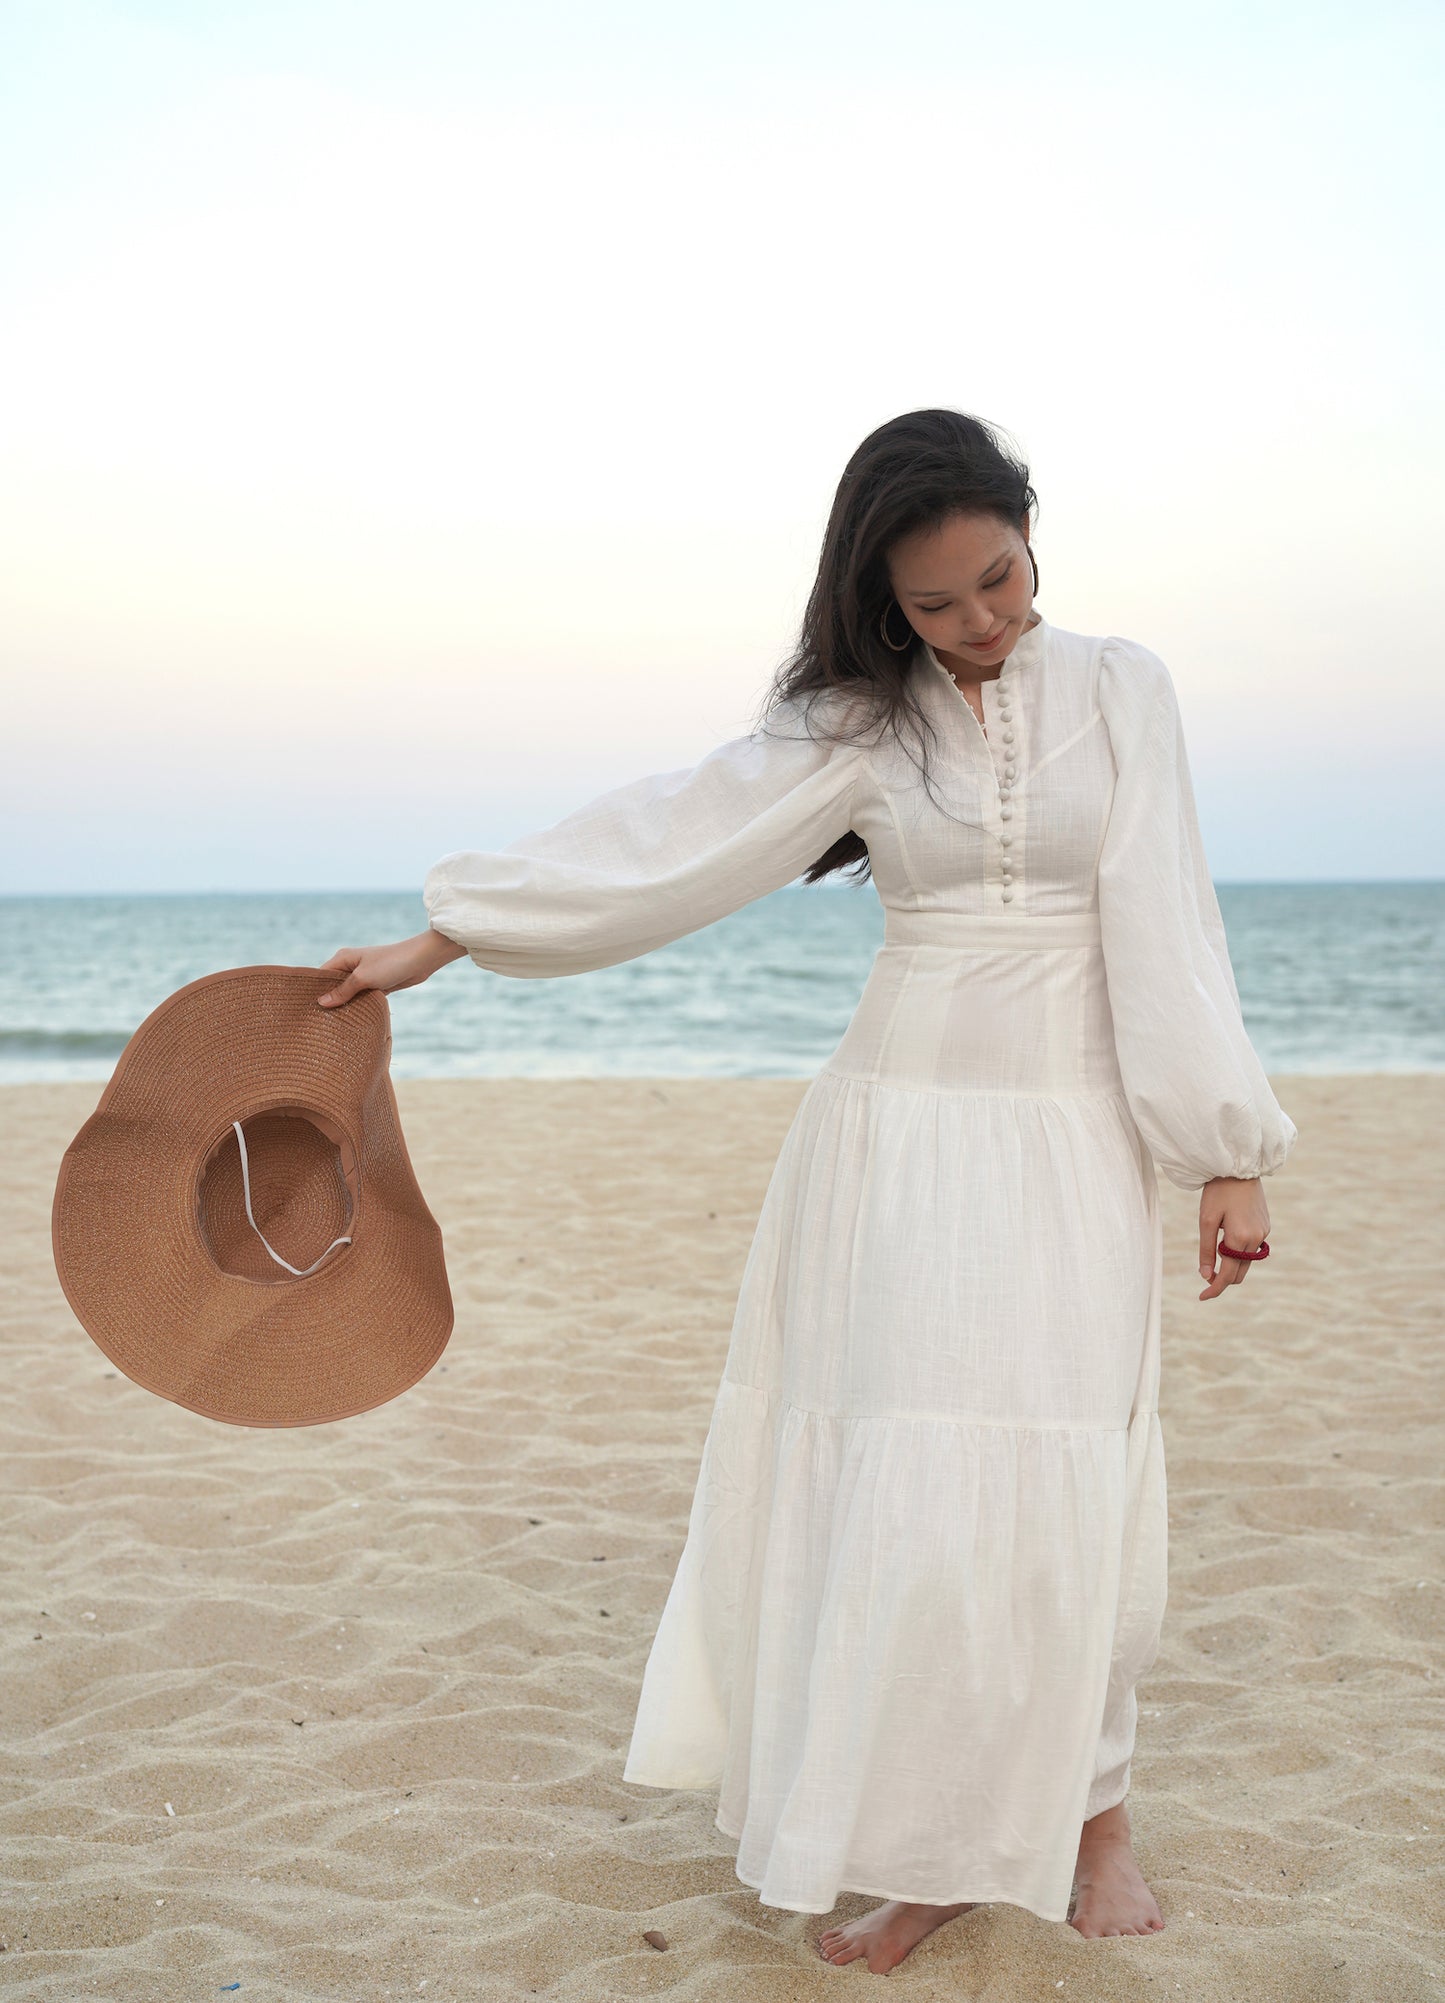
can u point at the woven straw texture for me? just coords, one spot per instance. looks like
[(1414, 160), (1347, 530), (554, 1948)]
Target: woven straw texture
[(151, 1240)]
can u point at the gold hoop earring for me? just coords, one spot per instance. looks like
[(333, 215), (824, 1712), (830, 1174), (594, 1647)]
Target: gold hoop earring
[(1036, 573), (898, 646)]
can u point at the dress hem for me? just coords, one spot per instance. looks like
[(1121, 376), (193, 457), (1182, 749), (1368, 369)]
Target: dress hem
[(879, 1892)]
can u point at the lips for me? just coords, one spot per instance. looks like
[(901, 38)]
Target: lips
[(982, 646)]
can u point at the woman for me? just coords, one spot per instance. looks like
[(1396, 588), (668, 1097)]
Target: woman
[(925, 1563)]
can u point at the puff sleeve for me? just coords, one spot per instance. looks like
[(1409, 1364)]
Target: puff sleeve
[(651, 860), (1197, 1091)]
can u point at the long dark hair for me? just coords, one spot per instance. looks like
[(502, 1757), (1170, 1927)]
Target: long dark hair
[(914, 472)]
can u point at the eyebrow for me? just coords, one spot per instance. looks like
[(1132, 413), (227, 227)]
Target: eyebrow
[(944, 594)]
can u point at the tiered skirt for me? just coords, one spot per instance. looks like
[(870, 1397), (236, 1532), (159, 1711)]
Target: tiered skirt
[(925, 1563)]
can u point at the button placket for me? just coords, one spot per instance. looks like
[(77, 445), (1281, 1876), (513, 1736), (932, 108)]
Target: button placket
[(1002, 747), (1004, 689)]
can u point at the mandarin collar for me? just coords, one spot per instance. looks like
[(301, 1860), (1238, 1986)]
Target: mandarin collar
[(1025, 652)]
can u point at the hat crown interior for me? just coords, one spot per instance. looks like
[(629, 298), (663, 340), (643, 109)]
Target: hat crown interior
[(305, 1193)]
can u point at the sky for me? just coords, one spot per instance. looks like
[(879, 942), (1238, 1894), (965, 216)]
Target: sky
[(418, 418)]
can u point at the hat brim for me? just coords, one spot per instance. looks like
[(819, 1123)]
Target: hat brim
[(133, 1260)]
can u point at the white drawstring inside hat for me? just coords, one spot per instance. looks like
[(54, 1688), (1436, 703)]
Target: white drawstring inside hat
[(299, 1271)]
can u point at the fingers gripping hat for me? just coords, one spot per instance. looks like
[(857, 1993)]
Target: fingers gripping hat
[(238, 1225)]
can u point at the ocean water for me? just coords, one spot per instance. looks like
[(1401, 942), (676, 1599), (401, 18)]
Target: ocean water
[(1332, 977)]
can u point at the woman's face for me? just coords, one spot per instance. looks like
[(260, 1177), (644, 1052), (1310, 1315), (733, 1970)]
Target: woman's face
[(969, 580)]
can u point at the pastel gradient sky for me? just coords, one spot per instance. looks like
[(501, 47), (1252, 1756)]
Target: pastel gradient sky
[(421, 417)]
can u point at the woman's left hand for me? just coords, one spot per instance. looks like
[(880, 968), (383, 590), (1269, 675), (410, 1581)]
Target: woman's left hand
[(1239, 1209)]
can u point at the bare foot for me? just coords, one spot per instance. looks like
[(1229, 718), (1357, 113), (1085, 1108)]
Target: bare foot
[(887, 1935), (1112, 1895)]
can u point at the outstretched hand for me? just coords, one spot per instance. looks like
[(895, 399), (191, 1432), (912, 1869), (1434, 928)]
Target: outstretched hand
[(1236, 1208), (405, 963)]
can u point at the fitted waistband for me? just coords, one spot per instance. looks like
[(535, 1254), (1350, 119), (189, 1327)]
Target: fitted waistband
[(1003, 932)]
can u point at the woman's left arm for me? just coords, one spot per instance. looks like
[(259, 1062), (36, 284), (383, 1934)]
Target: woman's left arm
[(1233, 1210), (1195, 1085)]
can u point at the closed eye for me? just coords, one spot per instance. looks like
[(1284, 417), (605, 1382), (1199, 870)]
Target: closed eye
[(993, 584)]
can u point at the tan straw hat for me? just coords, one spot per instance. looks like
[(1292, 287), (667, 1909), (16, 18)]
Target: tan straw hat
[(237, 1224)]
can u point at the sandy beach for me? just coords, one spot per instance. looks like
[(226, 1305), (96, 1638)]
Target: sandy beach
[(341, 1711)]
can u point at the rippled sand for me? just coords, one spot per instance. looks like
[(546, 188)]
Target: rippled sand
[(383, 1672)]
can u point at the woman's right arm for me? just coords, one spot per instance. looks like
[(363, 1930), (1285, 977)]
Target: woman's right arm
[(406, 963), (652, 860), (633, 869)]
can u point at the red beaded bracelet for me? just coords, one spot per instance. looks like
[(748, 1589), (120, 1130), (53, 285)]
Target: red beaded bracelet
[(1228, 1252)]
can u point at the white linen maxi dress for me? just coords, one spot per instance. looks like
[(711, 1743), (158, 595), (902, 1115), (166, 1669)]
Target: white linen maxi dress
[(926, 1557)]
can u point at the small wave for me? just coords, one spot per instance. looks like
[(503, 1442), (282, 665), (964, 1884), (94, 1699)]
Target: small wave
[(63, 1042)]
